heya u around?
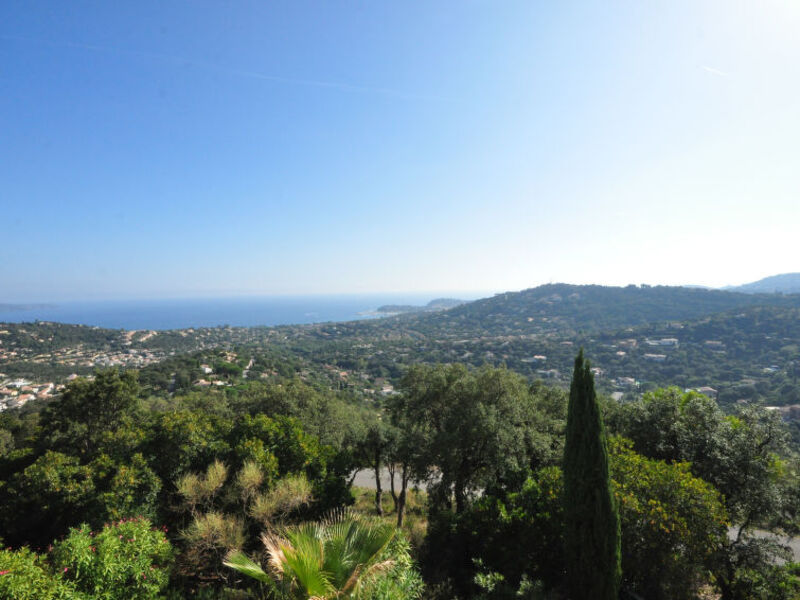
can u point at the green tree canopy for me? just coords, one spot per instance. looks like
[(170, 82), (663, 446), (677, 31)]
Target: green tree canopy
[(88, 409), (474, 427)]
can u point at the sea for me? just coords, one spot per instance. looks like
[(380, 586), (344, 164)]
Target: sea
[(213, 312)]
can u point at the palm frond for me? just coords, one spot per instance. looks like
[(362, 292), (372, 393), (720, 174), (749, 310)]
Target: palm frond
[(336, 557), (274, 547), (245, 566)]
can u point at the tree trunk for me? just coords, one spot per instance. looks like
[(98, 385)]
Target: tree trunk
[(461, 499), (378, 490), (460, 492), (401, 499), (391, 467), (727, 593), (352, 478)]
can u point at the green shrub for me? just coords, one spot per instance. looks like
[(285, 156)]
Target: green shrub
[(126, 560), (25, 576), (403, 580)]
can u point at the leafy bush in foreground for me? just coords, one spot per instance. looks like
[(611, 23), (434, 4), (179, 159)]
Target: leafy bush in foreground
[(24, 575), (126, 560)]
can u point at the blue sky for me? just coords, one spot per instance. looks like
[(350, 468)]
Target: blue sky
[(162, 149)]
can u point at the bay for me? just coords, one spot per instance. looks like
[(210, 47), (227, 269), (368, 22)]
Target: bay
[(212, 312)]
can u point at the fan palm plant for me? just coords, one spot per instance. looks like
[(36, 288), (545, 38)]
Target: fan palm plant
[(336, 558)]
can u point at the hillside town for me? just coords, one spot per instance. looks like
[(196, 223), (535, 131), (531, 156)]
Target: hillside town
[(15, 393)]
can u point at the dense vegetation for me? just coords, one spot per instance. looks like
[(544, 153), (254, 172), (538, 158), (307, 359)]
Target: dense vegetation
[(224, 466), (201, 476)]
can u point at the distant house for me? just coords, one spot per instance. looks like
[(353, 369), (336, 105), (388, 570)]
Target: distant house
[(789, 413), (548, 373), (625, 381), (708, 391), (663, 342), (534, 358), (655, 357)]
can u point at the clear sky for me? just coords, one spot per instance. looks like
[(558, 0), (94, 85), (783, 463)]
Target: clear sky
[(152, 149)]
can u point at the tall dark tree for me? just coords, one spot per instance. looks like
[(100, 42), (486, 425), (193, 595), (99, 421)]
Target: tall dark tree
[(592, 527)]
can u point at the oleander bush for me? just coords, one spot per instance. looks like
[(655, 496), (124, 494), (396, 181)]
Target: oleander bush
[(25, 575), (125, 560)]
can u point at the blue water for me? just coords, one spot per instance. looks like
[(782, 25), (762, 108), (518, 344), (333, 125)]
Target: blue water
[(184, 313)]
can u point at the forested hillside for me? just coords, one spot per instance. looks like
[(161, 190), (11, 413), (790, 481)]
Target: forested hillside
[(744, 346), (570, 309)]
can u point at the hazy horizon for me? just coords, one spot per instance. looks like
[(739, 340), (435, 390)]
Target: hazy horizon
[(160, 150), (416, 295)]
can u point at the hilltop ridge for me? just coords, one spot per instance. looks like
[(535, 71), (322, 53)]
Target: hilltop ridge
[(785, 283), (564, 308)]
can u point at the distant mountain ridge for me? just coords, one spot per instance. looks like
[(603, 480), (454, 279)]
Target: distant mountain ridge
[(564, 308), (785, 283)]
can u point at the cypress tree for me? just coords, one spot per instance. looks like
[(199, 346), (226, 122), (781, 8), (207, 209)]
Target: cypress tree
[(591, 518)]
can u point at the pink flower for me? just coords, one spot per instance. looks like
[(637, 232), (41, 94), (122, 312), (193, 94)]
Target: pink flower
[(4, 573), (65, 569)]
